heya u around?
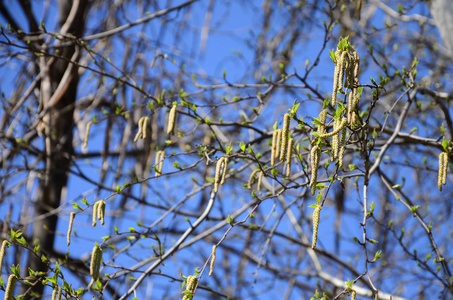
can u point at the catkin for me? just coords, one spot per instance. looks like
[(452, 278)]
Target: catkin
[(71, 222), (95, 212), (140, 129), (191, 283), (342, 149), (316, 214), (159, 162), (55, 292), (101, 211), (314, 156), (350, 107), (211, 266), (342, 125), (443, 166), (335, 141), (224, 170), (10, 287), (96, 257), (288, 157), (87, 133), (258, 185), (277, 145), (2, 254), (353, 294), (285, 133), (172, 120), (341, 70), (218, 173), (249, 183), (335, 76), (144, 127), (322, 118), (440, 175), (274, 146)]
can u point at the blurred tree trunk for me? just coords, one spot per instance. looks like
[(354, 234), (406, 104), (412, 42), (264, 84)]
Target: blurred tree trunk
[(442, 12), (58, 124)]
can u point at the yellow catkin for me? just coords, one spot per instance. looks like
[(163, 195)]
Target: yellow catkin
[(87, 133), (101, 211), (71, 222), (54, 293), (172, 120), (445, 165), (96, 257), (211, 266), (335, 141), (285, 134), (258, 185), (350, 107), (342, 125), (140, 129), (274, 146), (277, 145), (440, 175), (342, 149), (322, 118), (249, 183), (160, 155), (335, 76), (316, 214), (314, 156), (218, 173), (191, 283), (144, 127), (10, 287), (356, 67), (224, 170), (60, 291), (95, 212), (342, 70), (288, 157), (353, 294), (2, 254)]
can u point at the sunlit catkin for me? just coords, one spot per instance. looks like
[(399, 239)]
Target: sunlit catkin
[(218, 173), (10, 287), (335, 76), (258, 185), (322, 118), (144, 127), (172, 120), (191, 283), (2, 253), (71, 222), (140, 129), (335, 140), (277, 145), (101, 211), (341, 69), (285, 134), (56, 294), (249, 183), (274, 146), (342, 125), (211, 266), (96, 258), (288, 157), (95, 213), (314, 159), (350, 107), (316, 214), (342, 149), (224, 170), (87, 133), (445, 165), (440, 174), (159, 162), (353, 294)]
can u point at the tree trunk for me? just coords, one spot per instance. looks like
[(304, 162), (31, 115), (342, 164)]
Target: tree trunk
[(59, 134), (442, 12)]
